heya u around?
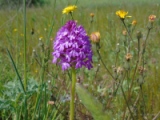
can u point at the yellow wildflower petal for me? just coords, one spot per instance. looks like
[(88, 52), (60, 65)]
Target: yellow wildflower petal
[(128, 16), (69, 9), (121, 13)]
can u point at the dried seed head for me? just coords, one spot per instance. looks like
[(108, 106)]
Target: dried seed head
[(141, 69), (124, 32), (119, 70), (128, 56)]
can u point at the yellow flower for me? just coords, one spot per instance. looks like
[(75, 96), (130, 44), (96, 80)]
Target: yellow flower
[(69, 9), (15, 30), (95, 37), (121, 13)]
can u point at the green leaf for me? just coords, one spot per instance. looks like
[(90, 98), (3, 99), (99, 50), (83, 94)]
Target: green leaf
[(91, 104)]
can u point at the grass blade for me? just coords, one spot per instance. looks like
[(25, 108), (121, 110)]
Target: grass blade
[(92, 105), (20, 80)]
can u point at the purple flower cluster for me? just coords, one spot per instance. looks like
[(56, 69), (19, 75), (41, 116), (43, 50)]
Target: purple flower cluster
[(72, 47)]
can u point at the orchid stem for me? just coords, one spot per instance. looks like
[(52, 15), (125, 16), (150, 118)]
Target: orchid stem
[(72, 106)]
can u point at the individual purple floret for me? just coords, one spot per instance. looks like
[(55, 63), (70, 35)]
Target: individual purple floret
[(72, 47)]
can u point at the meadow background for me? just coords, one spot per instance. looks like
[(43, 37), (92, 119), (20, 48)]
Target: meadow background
[(47, 83)]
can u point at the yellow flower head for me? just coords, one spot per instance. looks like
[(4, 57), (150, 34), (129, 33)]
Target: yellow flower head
[(121, 13), (15, 30), (69, 9), (95, 37)]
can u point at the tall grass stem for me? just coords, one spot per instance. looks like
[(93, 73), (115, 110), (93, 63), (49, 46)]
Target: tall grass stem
[(25, 54), (15, 68)]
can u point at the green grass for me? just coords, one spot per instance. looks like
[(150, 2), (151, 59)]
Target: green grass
[(110, 27)]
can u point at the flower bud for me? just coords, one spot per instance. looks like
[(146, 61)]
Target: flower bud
[(151, 18), (134, 22), (95, 37), (92, 14), (139, 34)]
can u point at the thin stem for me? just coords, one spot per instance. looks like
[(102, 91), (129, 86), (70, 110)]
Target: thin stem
[(103, 62), (15, 68), (128, 34), (25, 64), (17, 43), (127, 103), (45, 101), (143, 98), (135, 70), (115, 92), (145, 42), (137, 64), (138, 48), (96, 72), (42, 83), (144, 49), (157, 116), (76, 2), (116, 58), (71, 15), (90, 26), (25, 46), (72, 106)]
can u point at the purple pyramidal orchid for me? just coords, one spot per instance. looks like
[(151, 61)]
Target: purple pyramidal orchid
[(72, 47)]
